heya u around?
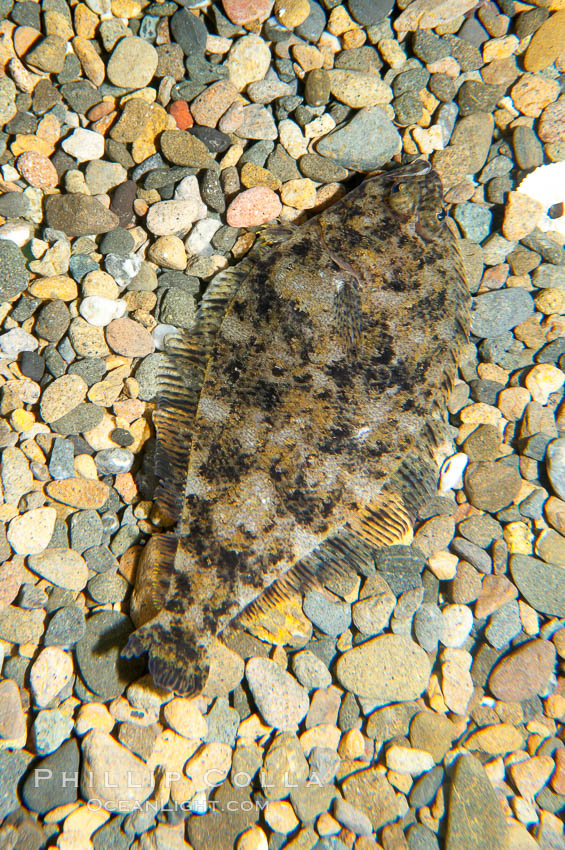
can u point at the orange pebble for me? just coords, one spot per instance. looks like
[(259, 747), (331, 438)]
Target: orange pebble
[(181, 113)]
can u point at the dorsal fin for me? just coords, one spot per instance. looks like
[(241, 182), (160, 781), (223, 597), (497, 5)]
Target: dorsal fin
[(179, 386)]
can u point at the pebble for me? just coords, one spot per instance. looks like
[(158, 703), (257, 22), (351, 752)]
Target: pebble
[(79, 215), (111, 774), (84, 145), (253, 207), (457, 622), (129, 338), (45, 786), (386, 669), (30, 533), (100, 311), (347, 145), (491, 486), (132, 63), (51, 671), (475, 818), (50, 729), (280, 699), (14, 276), (62, 567), (172, 217), (248, 61), (13, 722), (541, 584), (330, 616), (555, 466), (98, 654), (524, 673)]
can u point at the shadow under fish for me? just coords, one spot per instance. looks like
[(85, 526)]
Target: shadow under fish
[(300, 421)]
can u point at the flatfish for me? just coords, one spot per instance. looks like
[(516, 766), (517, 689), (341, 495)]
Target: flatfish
[(299, 421)]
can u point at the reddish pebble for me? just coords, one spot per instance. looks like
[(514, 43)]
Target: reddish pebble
[(523, 673), (208, 107), (245, 11), (181, 113), (253, 207), (129, 338), (38, 170)]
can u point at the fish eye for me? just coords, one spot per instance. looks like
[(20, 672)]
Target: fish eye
[(395, 188), (441, 215)]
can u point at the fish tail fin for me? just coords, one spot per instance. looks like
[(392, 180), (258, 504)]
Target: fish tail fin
[(177, 659)]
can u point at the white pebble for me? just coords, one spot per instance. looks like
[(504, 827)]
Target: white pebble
[(451, 472), (172, 217), (188, 189), (160, 333), (17, 340), (100, 311), (198, 241), (17, 232), (292, 139), (84, 145), (456, 626)]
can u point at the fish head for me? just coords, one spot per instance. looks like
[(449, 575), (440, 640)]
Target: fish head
[(415, 195)]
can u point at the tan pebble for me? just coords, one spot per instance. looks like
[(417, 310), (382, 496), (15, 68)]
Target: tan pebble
[(480, 414), (456, 683), (85, 820), (100, 283), (327, 825), (255, 175), (252, 839), (500, 48), (340, 22), (408, 760), (99, 436), (24, 142), (512, 402), (352, 745), (208, 766), (62, 396), (544, 379), (299, 194), (443, 564), (92, 65), (30, 533), (50, 673), (78, 492), (519, 538), (495, 740), (58, 286), (248, 61), (392, 52), (111, 773), (93, 715), (551, 301), (280, 816), (521, 215), (168, 252), (532, 93), (531, 775), (85, 467), (547, 43), (323, 735), (184, 717)]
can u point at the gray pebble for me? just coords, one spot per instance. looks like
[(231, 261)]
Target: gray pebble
[(61, 462), (223, 722), (504, 625), (66, 627), (472, 553), (86, 530), (113, 462), (108, 587), (332, 618), (366, 142), (428, 626), (494, 313)]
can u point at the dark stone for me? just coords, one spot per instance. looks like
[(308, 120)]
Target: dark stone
[(32, 365), (98, 655), (47, 784)]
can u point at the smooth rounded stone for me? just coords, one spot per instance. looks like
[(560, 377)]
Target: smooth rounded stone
[(420, 837), (425, 789), (370, 792), (118, 241), (280, 699), (331, 617), (474, 221), (52, 321), (248, 61), (17, 340), (310, 670), (177, 308), (51, 727), (494, 313), (51, 671), (129, 338), (14, 205), (491, 486), (132, 64), (147, 374), (541, 584), (30, 533), (112, 775), (546, 44), (62, 567), (80, 419), (46, 786), (549, 277), (528, 151), (525, 672), (172, 217), (114, 461), (13, 732), (104, 672), (17, 479), (108, 587), (351, 818), (84, 145), (14, 276), (78, 215), (253, 207), (62, 396), (457, 622), (102, 176), (401, 567), (550, 546), (366, 142), (475, 819), (100, 311), (317, 87), (432, 732), (182, 148), (320, 169), (555, 466), (392, 721), (66, 627), (473, 553), (428, 626), (358, 89), (86, 530), (387, 668), (504, 625)]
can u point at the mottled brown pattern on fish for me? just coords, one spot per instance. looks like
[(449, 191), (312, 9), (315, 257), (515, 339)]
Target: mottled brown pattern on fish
[(329, 368)]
